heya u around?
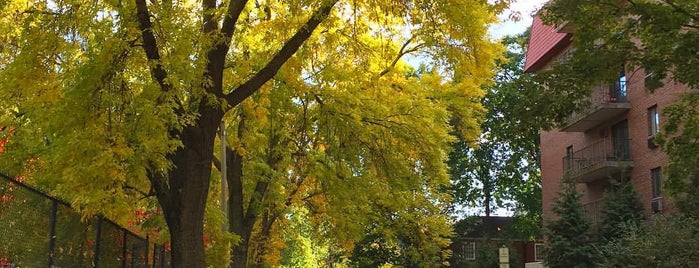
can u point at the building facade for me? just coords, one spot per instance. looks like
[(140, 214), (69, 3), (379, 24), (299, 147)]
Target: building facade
[(484, 236), (610, 139)]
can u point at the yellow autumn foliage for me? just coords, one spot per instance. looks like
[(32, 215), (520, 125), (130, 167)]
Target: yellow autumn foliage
[(119, 102)]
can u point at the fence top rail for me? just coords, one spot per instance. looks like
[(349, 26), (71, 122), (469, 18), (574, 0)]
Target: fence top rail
[(62, 202), (33, 189)]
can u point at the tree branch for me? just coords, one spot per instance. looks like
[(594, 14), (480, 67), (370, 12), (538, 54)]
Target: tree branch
[(402, 52), (680, 9), (288, 49), (232, 14), (216, 56), (208, 9), (150, 46)]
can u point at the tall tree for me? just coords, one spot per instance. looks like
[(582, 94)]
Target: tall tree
[(503, 170), (658, 36), (569, 241), (113, 99)]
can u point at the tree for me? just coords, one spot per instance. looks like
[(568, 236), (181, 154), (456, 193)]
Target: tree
[(504, 167), (569, 240), (339, 144), (658, 36), (117, 101), (621, 211)]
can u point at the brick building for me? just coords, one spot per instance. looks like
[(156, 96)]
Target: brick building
[(489, 234), (610, 139)]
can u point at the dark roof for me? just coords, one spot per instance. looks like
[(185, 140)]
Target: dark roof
[(478, 227)]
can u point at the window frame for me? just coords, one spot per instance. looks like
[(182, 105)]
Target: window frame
[(538, 251), (653, 121), (472, 252)]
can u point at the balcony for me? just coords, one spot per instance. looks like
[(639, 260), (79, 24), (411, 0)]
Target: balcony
[(606, 102), (601, 160)]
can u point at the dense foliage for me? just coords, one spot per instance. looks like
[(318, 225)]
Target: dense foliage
[(503, 170), (112, 104), (620, 210), (666, 242)]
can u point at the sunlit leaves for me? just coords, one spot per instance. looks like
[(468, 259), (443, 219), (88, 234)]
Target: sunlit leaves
[(345, 112)]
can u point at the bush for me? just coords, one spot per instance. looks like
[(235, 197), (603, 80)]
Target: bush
[(667, 242)]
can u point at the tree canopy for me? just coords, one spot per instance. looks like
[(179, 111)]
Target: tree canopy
[(112, 102)]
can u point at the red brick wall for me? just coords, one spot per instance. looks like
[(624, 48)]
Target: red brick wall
[(554, 143)]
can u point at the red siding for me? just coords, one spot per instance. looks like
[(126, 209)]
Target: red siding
[(544, 44)]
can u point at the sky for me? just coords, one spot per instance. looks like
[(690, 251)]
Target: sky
[(525, 8)]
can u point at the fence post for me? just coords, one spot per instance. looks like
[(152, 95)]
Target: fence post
[(98, 240), (52, 231)]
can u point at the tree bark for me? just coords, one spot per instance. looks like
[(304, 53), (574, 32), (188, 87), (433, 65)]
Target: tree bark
[(236, 213), (184, 199), (182, 191)]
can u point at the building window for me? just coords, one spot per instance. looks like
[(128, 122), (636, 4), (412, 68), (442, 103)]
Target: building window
[(468, 250), (618, 91), (656, 177), (538, 252), (653, 121)]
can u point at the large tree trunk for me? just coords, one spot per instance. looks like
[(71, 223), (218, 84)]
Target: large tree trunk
[(184, 197)]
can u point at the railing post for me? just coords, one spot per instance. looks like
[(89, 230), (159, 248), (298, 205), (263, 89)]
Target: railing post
[(52, 231)]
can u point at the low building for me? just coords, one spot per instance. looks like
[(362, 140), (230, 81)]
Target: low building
[(479, 239)]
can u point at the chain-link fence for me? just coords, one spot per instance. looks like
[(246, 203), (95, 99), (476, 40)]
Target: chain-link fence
[(37, 230)]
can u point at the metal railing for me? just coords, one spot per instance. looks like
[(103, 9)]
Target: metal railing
[(614, 93), (37, 230), (596, 153), (602, 94)]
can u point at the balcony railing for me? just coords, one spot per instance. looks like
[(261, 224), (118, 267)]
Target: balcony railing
[(601, 159), (606, 102)]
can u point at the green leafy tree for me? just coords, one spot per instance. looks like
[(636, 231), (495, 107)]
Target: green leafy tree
[(502, 171), (570, 243)]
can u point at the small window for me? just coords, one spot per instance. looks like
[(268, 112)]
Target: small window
[(653, 121), (538, 252), (468, 250), (656, 177), (619, 90)]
